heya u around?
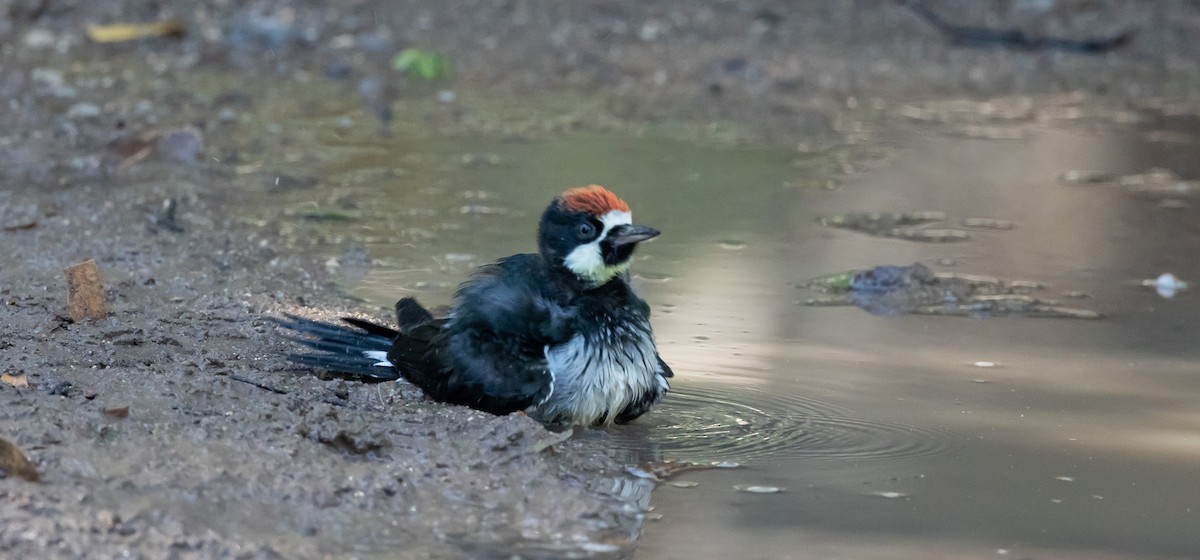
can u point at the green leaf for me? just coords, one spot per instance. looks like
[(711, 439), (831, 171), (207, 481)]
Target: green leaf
[(425, 65), (405, 59)]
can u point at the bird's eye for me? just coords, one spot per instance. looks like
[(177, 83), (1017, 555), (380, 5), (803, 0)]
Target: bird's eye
[(586, 230)]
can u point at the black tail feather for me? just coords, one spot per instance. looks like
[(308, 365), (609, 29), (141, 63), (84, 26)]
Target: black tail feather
[(371, 328), (340, 348), (356, 367), (378, 338), (337, 348)]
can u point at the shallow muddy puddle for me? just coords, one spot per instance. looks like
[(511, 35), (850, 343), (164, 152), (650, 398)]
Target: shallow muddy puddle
[(857, 435)]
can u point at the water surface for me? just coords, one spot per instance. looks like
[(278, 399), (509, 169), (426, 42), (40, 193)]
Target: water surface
[(887, 434)]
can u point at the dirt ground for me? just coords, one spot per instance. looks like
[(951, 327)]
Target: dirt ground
[(173, 427)]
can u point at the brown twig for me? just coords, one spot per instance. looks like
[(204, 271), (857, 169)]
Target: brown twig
[(262, 386)]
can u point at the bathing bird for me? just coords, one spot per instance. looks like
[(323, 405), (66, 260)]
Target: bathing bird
[(558, 334)]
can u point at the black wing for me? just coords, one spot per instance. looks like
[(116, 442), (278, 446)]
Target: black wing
[(415, 351), (503, 319), (412, 315)]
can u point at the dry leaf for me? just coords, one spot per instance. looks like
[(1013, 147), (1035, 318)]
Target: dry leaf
[(15, 379), (117, 412), (85, 293), (20, 226), (13, 462), (134, 149), (120, 32)]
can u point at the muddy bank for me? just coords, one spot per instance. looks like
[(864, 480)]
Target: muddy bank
[(143, 156), (173, 425)]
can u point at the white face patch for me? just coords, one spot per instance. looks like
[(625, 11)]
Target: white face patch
[(586, 261)]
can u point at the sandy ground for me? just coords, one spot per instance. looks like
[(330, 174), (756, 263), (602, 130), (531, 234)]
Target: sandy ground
[(173, 427)]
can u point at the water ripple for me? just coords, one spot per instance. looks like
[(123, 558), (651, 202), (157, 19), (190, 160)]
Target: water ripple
[(697, 423)]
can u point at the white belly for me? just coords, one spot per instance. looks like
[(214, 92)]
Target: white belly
[(594, 382)]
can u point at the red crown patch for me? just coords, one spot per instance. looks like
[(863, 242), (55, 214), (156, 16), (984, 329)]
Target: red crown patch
[(593, 199)]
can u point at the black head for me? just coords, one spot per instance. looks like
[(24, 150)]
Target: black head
[(588, 231)]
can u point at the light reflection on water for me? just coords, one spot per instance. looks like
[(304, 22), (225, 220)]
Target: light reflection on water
[(1081, 443)]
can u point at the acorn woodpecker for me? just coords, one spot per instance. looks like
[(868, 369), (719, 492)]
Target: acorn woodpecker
[(558, 334)]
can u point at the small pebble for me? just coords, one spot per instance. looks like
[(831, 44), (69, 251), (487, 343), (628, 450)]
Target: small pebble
[(684, 484), (53, 81), (639, 473), (649, 31), (755, 489), (371, 89), (227, 115), (182, 144), (39, 39), (890, 495), (1078, 177), (83, 110)]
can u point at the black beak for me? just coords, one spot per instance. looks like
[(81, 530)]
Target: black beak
[(628, 235)]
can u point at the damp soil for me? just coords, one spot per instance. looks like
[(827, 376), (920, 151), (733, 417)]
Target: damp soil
[(173, 427)]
